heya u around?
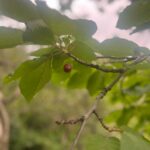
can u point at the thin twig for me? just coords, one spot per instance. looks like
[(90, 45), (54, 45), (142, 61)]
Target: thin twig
[(102, 94), (104, 125), (139, 60), (93, 109), (120, 59), (70, 122)]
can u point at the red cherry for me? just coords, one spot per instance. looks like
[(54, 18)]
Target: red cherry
[(67, 67)]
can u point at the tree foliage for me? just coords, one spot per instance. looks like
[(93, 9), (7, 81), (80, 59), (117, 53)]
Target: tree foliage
[(94, 64)]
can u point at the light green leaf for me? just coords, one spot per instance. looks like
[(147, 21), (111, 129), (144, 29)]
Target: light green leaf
[(21, 10), (23, 69), (135, 15), (36, 79), (133, 141), (10, 37)]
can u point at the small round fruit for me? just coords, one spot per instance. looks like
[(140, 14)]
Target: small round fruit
[(67, 67)]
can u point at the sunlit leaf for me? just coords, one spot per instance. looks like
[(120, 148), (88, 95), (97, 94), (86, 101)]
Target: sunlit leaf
[(36, 79)]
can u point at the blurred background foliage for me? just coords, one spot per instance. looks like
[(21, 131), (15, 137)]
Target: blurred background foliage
[(33, 124)]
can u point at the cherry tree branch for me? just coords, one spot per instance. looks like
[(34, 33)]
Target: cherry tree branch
[(93, 108), (120, 70), (104, 125)]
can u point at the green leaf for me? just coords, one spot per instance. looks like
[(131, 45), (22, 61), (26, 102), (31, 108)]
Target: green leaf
[(38, 35), (135, 15), (142, 66), (80, 76), (10, 37), (42, 52), (21, 10), (58, 61), (62, 25), (78, 80), (82, 51), (24, 69), (95, 82), (125, 116), (113, 116), (141, 27), (117, 47), (59, 76), (133, 141), (99, 142), (36, 79)]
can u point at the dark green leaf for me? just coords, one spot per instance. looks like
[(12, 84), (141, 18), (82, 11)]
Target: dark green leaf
[(95, 82), (21, 10), (10, 37), (135, 15), (62, 25), (141, 28), (125, 116), (117, 47), (38, 35)]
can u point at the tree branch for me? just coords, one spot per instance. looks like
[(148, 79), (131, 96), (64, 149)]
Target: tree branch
[(121, 71), (70, 122), (104, 125), (95, 66), (93, 109)]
